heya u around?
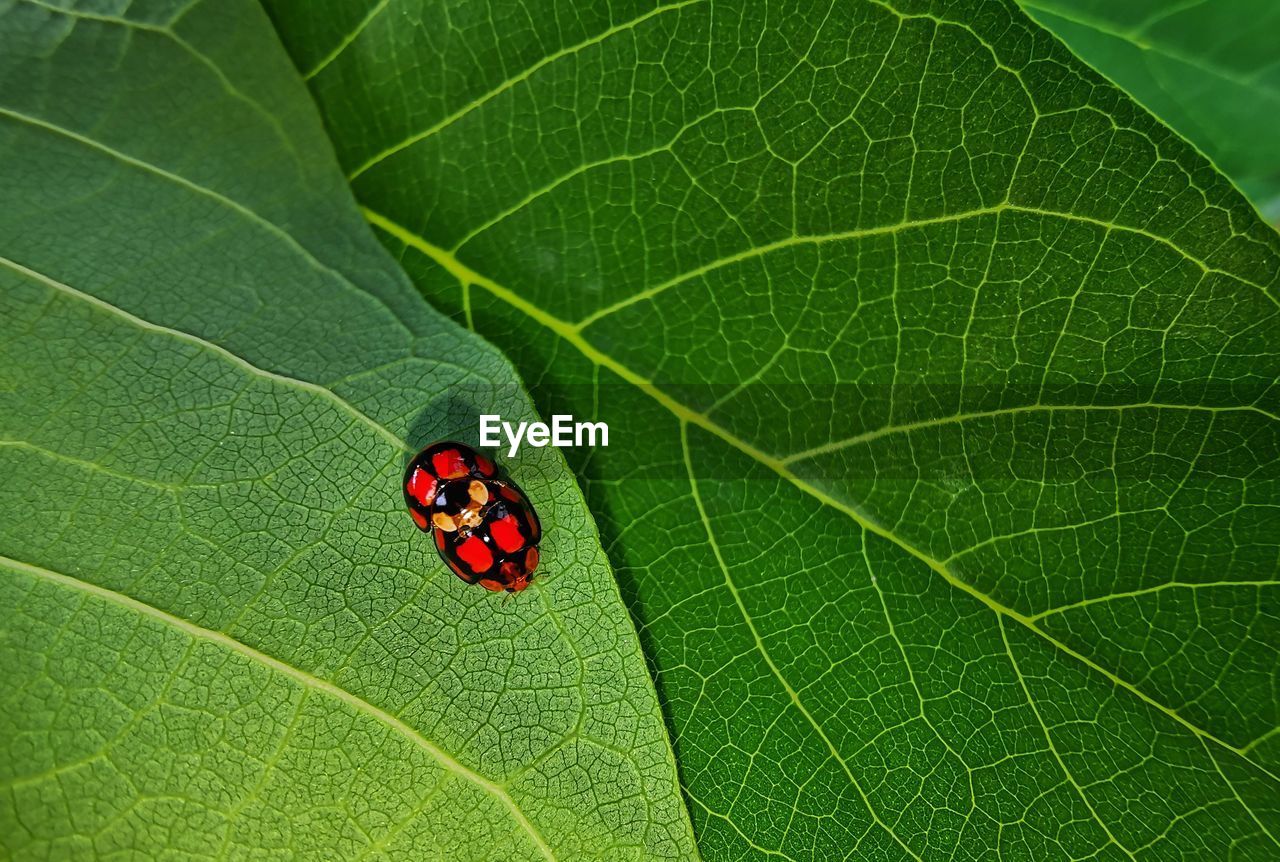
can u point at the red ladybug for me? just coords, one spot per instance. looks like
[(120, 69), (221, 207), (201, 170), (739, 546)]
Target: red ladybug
[(485, 529), (501, 551), (437, 466)]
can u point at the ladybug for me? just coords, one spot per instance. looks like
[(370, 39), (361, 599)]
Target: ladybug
[(501, 551), (436, 467), (485, 529)]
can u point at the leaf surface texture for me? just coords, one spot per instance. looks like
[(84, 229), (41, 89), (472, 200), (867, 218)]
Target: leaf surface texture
[(941, 380), (223, 638), (1208, 69)]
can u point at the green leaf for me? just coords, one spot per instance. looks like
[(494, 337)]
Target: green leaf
[(1209, 69), (941, 382), (222, 637)]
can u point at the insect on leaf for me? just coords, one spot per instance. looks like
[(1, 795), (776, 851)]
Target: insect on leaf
[(222, 635)]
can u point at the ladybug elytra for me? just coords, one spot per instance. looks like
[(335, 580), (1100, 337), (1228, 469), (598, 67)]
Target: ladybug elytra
[(485, 529)]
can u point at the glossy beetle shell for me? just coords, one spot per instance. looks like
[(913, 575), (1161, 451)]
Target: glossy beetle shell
[(484, 527), (501, 551)]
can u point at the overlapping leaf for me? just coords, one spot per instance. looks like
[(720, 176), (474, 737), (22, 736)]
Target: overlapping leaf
[(942, 385), (1208, 69), (222, 638)]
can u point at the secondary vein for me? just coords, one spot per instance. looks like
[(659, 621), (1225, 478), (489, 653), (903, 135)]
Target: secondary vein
[(511, 82), (139, 322), (569, 333), (310, 682), (764, 653)]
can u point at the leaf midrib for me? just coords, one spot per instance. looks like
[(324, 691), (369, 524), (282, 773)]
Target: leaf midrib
[(569, 333)]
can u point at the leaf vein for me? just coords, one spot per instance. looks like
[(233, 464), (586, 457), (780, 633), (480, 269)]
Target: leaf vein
[(235, 206), (908, 427), (1053, 748), (218, 349), (764, 652), (346, 40), (513, 81), (308, 681), (685, 414)]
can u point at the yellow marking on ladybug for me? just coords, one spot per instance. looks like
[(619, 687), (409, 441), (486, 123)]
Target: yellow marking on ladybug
[(444, 522), (479, 493), (470, 518)]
